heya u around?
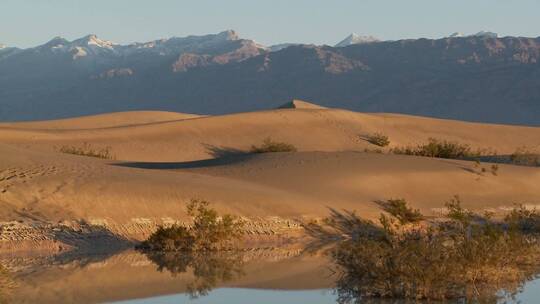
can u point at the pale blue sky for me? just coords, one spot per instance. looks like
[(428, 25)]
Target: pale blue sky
[(25, 23)]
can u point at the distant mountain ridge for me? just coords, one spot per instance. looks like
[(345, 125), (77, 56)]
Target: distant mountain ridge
[(477, 78)]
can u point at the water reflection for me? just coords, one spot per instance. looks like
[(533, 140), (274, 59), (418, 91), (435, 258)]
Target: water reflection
[(132, 275), (254, 276), (6, 285), (209, 269)]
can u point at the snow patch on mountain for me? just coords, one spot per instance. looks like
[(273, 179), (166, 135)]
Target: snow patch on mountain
[(456, 35), (486, 34), (279, 47), (93, 41), (356, 39), (481, 34)]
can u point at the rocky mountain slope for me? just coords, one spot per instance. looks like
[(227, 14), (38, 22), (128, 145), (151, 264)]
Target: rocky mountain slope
[(477, 78)]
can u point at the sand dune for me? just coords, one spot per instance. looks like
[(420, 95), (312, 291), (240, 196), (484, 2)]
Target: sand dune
[(162, 164), (110, 120), (308, 129)]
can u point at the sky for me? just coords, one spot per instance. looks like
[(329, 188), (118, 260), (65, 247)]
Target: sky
[(27, 23)]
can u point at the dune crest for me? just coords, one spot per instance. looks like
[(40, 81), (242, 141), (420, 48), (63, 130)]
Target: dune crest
[(99, 121), (300, 104)]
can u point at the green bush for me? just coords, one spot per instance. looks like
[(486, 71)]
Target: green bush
[(269, 145), (440, 149), (87, 150), (209, 232), (378, 139)]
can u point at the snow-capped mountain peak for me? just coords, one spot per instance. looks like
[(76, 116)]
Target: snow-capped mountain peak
[(94, 41), (486, 34), (356, 39), (456, 35), (56, 42), (229, 35)]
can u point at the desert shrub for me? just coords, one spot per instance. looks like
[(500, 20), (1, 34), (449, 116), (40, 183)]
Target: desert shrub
[(209, 232), (457, 213), (376, 151), (399, 209), (494, 169), (525, 157), (378, 139), (524, 220), (88, 150), (174, 238), (440, 149), (466, 257), (269, 145)]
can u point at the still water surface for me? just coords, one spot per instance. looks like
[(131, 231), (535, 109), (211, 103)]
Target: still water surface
[(255, 276)]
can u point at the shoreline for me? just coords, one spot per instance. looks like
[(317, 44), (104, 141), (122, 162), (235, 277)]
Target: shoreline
[(82, 236)]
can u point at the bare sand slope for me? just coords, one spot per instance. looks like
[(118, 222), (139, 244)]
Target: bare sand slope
[(161, 166), (109, 120), (56, 187), (308, 129)]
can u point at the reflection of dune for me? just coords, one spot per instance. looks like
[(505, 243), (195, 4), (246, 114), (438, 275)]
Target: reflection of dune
[(7, 285), (131, 275)]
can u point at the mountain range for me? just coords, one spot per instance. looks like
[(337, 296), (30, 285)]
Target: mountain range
[(479, 77)]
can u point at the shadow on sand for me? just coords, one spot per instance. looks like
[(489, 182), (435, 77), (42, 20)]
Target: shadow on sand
[(222, 156)]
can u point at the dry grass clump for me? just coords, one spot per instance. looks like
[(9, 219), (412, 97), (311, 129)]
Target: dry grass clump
[(466, 257), (524, 219), (269, 146), (377, 139), (525, 157), (440, 149), (209, 232), (88, 150)]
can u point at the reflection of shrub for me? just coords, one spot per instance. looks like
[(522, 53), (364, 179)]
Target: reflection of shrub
[(466, 256), (269, 145), (208, 232), (494, 169), (438, 148), (209, 268), (525, 157), (87, 150), (399, 209), (378, 139)]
